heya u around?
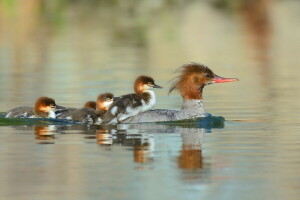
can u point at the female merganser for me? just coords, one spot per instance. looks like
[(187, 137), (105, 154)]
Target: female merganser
[(190, 83), (44, 108), (89, 114), (132, 104)]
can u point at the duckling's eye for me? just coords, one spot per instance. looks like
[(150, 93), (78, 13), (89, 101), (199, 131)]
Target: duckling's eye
[(150, 84), (108, 99)]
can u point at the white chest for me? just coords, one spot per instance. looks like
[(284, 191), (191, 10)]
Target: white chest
[(151, 102), (51, 114)]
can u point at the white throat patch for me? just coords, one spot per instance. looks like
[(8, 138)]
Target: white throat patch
[(51, 114), (107, 103)]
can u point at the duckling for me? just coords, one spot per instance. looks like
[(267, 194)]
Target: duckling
[(132, 104), (89, 114), (44, 108)]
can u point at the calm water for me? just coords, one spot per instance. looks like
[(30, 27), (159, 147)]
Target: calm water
[(74, 51)]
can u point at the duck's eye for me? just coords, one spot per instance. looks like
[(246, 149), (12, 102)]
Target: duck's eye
[(108, 99), (150, 84), (207, 75)]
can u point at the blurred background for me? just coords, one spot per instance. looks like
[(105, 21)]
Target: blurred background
[(72, 50)]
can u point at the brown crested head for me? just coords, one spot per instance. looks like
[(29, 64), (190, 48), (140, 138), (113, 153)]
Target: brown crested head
[(90, 104), (192, 79), (143, 83), (104, 101), (44, 104)]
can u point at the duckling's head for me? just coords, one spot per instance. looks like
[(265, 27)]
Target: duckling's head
[(144, 83), (45, 106), (104, 101)]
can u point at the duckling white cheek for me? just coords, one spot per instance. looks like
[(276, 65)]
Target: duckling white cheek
[(107, 103), (48, 108), (147, 87), (51, 114), (43, 108)]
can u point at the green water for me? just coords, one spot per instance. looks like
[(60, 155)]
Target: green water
[(74, 50)]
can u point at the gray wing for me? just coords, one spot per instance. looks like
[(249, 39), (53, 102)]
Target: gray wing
[(119, 106), (62, 114), (157, 115), (19, 112), (85, 115)]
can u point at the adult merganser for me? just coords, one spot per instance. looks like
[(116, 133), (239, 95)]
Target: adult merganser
[(190, 83), (44, 107), (131, 104), (89, 114)]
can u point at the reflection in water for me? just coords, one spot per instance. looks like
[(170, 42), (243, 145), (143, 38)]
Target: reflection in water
[(104, 137), (143, 149), (142, 144), (190, 158), (191, 153), (45, 133)]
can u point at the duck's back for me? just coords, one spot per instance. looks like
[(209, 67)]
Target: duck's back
[(157, 115), (19, 112), (85, 115), (123, 106), (189, 109)]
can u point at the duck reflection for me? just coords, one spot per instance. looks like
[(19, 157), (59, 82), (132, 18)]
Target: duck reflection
[(143, 150), (124, 135), (46, 133), (190, 155), (104, 137), (142, 144)]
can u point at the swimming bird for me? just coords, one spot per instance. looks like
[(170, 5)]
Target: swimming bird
[(192, 79), (131, 104), (44, 107), (89, 113)]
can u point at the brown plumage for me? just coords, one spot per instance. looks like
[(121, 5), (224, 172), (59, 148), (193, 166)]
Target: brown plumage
[(90, 104), (102, 101), (140, 82), (43, 105), (193, 77)]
